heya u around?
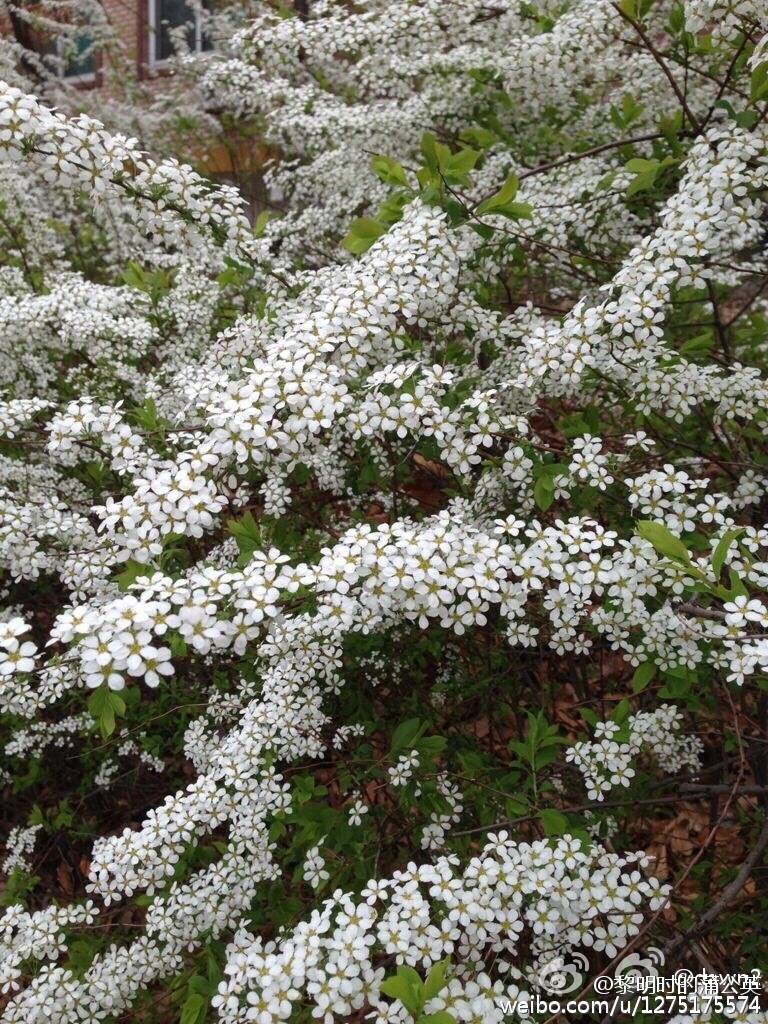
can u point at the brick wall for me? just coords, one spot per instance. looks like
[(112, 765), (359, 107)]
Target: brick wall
[(238, 160), (127, 18)]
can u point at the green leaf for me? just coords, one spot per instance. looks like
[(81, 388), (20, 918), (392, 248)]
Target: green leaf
[(389, 171), (758, 83), (406, 986), (635, 9), (663, 540), (700, 344), (131, 573), (431, 746), (103, 705), (363, 232), (643, 675), (555, 823), (441, 1017), (516, 211), (177, 644), (146, 415), (505, 195), (81, 954), (544, 488), (482, 138), (645, 172), (677, 19), (544, 492), (405, 735), (429, 150), (194, 1009), (737, 586), (436, 980), (261, 223), (722, 549), (200, 985), (247, 533), (135, 276), (621, 711), (455, 167)]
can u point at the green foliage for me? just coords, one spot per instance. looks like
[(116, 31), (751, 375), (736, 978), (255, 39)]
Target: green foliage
[(642, 676), (154, 283), (130, 573), (503, 202), (105, 705), (363, 232), (664, 541), (17, 888), (544, 488), (758, 83), (389, 171), (247, 533), (539, 748), (647, 173), (407, 987)]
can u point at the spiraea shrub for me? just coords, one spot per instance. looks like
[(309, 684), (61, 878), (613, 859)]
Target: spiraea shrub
[(384, 621)]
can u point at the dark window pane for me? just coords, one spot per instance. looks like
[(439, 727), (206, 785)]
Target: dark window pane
[(171, 14), (79, 58)]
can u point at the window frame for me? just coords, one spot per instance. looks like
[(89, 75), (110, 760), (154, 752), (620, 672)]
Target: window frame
[(81, 79), (151, 36)]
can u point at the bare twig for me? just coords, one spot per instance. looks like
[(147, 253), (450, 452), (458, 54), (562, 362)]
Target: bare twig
[(728, 895)]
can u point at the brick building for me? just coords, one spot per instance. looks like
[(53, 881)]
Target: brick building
[(141, 42), (142, 28)]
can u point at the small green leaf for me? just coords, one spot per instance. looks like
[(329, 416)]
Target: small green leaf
[(261, 222), (700, 344), (737, 586), (431, 746), (544, 492), (104, 704), (643, 675), (389, 171), (405, 735), (247, 533), (621, 711), (406, 986), (677, 19), (589, 716), (505, 195), (131, 573), (194, 1009), (555, 823), (663, 540), (722, 549), (645, 172), (436, 980), (363, 232), (177, 644), (758, 83)]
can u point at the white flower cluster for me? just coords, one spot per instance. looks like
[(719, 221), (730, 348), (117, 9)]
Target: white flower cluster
[(462, 424), (40, 935), (81, 154), (607, 761), (314, 870), (19, 844), (554, 897), (128, 747)]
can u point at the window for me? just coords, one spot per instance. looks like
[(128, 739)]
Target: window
[(66, 50), (78, 60), (166, 17)]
